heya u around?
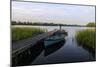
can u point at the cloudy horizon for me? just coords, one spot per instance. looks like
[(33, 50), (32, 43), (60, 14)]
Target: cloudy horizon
[(56, 13)]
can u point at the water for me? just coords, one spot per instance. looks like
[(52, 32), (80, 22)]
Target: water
[(68, 51)]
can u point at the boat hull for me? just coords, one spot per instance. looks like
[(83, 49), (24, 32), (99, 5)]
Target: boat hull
[(55, 38), (48, 43)]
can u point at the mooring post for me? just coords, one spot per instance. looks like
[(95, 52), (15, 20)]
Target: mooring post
[(60, 27)]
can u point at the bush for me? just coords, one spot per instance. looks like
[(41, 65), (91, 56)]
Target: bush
[(91, 24)]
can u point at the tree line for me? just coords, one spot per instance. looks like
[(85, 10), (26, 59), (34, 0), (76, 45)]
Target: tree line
[(50, 24), (91, 24)]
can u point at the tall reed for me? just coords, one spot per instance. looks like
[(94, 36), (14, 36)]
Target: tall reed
[(87, 38), (25, 32)]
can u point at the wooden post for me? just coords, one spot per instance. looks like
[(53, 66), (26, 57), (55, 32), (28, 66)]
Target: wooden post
[(60, 27)]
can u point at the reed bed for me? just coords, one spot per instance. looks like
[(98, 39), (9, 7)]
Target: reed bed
[(19, 33), (87, 38)]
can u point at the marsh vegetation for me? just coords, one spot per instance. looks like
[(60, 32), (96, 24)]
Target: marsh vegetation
[(25, 32), (87, 38), (91, 24)]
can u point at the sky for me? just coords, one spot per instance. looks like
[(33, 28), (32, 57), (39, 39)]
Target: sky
[(55, 13)]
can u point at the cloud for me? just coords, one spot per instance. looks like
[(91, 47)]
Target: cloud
[(57, 13)]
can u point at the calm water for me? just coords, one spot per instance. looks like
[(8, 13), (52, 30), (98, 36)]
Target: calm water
[(68, 51)]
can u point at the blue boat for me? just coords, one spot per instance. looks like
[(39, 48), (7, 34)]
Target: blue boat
[(55, 38)]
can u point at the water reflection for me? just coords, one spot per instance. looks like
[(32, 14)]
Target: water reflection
[(26, 57), (53, 48), (36, 50), (68, 51), (91, 51)]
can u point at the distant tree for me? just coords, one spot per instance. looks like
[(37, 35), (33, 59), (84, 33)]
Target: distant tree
[(13, 22), (91, 24)]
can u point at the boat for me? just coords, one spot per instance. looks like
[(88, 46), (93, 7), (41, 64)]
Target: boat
[(55, 38), (53, 48)]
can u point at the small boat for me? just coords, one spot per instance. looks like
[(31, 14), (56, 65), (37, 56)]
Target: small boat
[(55, 38), (53, 48)]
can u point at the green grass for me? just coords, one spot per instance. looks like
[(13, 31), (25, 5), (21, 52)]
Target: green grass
[(87, 38), (25, 32)]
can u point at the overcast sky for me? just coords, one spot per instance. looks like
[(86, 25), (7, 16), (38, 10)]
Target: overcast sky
[(56, 13)]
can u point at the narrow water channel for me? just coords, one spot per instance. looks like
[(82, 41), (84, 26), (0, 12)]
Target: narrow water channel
[(68, 52)]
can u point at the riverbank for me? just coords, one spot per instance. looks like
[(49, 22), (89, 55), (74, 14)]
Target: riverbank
[(87, 38), (25, 32)]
